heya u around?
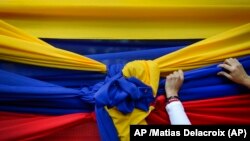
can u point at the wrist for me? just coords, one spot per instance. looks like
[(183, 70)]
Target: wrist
[(246, 82), (172, 99), (171, 93)]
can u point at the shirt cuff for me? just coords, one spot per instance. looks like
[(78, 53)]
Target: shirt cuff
[(177, 113)]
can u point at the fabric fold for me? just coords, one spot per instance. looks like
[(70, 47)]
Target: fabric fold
[(17, 46), (232, 43)]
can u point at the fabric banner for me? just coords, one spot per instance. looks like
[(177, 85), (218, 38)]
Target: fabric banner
[(118, 86), (99, 19)]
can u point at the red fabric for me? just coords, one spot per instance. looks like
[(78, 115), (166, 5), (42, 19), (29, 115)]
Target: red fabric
[(224, 110), (85, 131), (17, 126), (82, 126)]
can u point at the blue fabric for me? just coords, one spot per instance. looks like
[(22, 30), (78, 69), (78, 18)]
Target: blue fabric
[(105, 124), (23, 94), (204, 83), (88, 46)]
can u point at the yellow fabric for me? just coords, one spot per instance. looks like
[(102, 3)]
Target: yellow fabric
[(125, 19), (122, 122), (146, 71), (233, 43), (18, 46)]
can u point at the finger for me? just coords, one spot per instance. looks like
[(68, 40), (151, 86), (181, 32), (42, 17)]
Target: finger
[(176, 74), (181, 74), (228, 61), (222, 73), (231, 60), (170, 76), (225, 66), (236, 61)]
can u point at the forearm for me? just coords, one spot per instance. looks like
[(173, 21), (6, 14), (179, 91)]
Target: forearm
[(177, 114)]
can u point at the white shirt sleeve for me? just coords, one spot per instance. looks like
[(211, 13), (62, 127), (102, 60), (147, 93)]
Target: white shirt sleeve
[(177, 114)]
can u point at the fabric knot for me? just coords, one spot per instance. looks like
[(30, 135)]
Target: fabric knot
[(123, 93), (146, 71)]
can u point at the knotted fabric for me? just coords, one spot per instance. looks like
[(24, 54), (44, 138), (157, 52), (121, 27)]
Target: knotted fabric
[(123, 97)]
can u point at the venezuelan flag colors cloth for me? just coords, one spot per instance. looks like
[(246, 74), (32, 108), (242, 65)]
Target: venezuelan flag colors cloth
[(126, 19), (53, 70)]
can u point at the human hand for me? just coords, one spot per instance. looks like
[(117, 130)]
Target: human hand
[(173, 83), (236, 72)]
